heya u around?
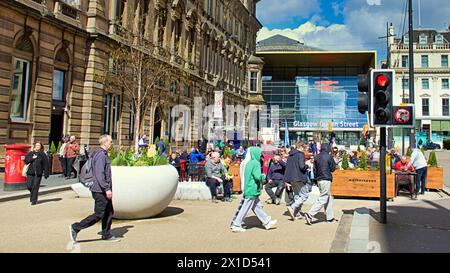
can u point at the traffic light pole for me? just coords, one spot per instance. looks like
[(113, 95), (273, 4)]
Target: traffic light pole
[(383, 199), (411, 69)]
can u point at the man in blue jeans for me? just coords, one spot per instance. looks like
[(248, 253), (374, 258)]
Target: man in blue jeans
[(420, 164)]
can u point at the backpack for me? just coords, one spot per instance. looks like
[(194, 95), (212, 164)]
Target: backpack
[(87, 173)]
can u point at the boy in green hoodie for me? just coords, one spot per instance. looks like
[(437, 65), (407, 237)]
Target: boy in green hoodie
[(252, 190)]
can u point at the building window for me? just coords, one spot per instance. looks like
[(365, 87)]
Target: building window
[(253, 81), (173, 87), (405, 84), (405, 62), (423, 39), (445, 84), (187, 91), (424, 59), (439, 39), (444, 60), (111, 115), (425, 107), (405, 39), (445, 107), (20, 90), (58, 85), (425, 84)]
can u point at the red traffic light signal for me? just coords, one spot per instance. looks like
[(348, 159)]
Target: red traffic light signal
[(382, 80)]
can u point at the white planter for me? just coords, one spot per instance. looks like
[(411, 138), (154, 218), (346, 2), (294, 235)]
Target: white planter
[(142, 192)]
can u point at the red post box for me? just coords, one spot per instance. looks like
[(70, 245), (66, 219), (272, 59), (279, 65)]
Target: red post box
[(14, 162)]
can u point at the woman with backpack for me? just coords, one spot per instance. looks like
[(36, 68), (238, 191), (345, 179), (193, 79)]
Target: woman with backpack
[(38, 166)]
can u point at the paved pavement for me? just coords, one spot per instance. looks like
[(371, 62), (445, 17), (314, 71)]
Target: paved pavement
[(54, 181), (422, 226), (186, 226)]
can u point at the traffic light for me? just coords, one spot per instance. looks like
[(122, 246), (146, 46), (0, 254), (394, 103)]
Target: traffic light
[(381, 92), (363, 96)]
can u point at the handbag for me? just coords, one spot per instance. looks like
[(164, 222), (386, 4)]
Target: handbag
[(25, 170)]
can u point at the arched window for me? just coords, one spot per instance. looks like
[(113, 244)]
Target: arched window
[(21, 79)]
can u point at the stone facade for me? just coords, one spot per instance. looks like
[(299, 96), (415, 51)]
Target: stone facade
[(51, 50)]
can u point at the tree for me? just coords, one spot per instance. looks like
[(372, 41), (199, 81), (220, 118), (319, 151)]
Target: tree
[(408, 152), (363, 162), (135, 69), (345, 164), (52, 148), (432, 161)]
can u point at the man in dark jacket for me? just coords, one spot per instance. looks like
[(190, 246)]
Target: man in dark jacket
[(324, 165), (275, 176), (101, 192), (296, 176)]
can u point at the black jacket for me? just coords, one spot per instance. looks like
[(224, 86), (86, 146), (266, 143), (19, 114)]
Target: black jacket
[(39, 166), (175, 162), (324, 164), (295, 167)]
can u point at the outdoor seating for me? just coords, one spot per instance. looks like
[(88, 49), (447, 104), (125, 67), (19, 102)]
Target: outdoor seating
[(399, 182)]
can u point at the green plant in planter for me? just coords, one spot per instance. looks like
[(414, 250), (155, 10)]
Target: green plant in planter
[(156, 140), (59, 147), (432, 161), (359, 148), (52, 148), (128, 158), (112, 154), (409, 151), (363, 162), (345, 165)]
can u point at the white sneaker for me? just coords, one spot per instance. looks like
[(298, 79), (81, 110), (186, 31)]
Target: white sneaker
[(237, 229), (271, 224), (291, 212), (299, 216)]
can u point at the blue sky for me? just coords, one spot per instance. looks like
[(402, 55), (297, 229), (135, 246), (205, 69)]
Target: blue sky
[(346, 24)]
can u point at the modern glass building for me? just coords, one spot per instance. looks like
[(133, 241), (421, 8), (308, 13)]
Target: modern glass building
[(314, 88)]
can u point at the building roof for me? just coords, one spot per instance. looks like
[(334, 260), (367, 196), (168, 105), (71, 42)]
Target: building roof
[(430, 33), (255, 60), (282, 43)]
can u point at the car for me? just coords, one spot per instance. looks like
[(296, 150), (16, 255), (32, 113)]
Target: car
[(431, 146)]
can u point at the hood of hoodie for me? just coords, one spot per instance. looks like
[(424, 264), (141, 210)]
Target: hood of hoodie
[(325, 147), (293, 152), (255, 153)]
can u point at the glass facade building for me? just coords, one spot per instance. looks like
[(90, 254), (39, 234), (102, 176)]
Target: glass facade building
[(313, 89)]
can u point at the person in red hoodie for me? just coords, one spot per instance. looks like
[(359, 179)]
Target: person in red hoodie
[(402, 166), (70, 152)]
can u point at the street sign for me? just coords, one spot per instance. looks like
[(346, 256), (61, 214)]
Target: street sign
[(403, 116)]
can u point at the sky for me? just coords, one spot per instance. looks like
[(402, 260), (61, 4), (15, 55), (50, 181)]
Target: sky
[(346, 24)]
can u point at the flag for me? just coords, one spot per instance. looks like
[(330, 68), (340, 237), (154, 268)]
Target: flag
[(286, 133)]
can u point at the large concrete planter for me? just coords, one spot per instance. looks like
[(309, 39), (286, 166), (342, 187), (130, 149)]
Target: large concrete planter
[(142, 192)]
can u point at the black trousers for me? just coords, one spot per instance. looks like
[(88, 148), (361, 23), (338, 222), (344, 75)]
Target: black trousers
[(295, 190), (33, 184), (103, 210), (63, 161), (227, 187), (69, 163), (212, 184), (279, 184)]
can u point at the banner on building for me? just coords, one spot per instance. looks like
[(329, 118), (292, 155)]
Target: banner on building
[(218, 104)]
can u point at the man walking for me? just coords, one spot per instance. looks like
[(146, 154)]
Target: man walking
[(324, 165), (251, 173), (296, 176), (275, 176), (420, 164), (101, 192)]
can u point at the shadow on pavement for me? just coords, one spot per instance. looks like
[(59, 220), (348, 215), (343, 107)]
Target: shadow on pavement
[(49, 200), (422, 227), (119, 231), (253, 222), (168, 212)]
